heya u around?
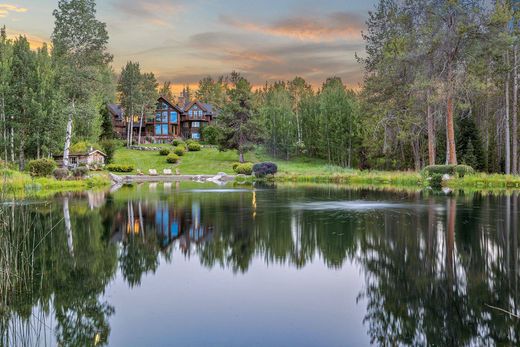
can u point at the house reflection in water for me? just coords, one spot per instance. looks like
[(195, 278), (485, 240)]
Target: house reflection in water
[(170, 224)]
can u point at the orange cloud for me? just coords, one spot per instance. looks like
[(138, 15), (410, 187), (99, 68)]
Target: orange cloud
[(338, 25), (5, 9), (34, 41)]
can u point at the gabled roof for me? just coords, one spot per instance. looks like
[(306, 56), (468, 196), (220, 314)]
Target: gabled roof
[(115, 110), (162, 98), (201, 105)]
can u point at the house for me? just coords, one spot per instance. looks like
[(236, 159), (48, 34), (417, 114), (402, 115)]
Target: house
[(118, 120), (92, 158), (169, 121)]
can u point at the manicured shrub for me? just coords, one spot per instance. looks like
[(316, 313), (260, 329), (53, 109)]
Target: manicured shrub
[(179, 151), (61, 173), (264, 169), (172, 158), (41, 167), (120, 168), (164, 152), (190, 141), (463, 170), (210, 134), (177, 142), (436, 181), (235, 165), (244, 169), (194, 147), (80, 172), (452, 170)]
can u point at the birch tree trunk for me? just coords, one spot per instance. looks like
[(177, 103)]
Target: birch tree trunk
[(68, 226), (68, 136), (507, 139), (12, 139), (515, 112), (4, 128), (140, 126)]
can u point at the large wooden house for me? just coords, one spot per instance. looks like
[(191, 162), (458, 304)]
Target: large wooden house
[(170, 121)]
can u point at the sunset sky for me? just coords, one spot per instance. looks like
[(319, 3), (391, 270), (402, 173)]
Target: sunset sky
[(183, 41)]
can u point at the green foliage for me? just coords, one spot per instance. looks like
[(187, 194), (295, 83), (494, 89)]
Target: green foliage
[(172, 158), (179, 150), (84, 147), (452, 170), (120, 168), (107, 128), (61, 173), (109, 148), (41, 167), (464, 170), (80, 172), (177, 142), (264, 169), (210, 134), (235, 165), (244, 169), (238, 122), (436, 181), (194, 147), (164, 151)]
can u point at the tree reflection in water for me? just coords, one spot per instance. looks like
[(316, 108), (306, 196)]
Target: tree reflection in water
[(433, 265)]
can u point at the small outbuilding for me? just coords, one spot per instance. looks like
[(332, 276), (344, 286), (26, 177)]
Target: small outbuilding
[(93, 158)]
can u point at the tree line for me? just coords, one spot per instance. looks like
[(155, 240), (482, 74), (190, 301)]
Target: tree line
[(54, 95), (441, 84)]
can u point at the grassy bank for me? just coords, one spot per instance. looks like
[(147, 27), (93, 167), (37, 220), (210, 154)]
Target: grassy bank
[(211, 161), (20, 184)]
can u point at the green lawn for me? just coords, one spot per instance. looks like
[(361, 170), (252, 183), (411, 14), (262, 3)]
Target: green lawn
[(206, 162), (210, 161)]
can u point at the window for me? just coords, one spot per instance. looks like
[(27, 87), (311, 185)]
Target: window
[(164, 117), (200, 113), (173, 117), (195, 125), (161, 129), (195, 136), (186, 125), (165, 106), (158, 117)]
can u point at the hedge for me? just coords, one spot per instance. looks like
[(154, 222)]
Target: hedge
[(264, 169), (179, 151), (164, 152), (244, 169), (458, 170), (120, 168), (194, 147)]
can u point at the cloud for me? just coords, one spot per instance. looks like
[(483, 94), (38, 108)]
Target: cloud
[(157, 12), (34, 41), (333, 26), (5, 9)]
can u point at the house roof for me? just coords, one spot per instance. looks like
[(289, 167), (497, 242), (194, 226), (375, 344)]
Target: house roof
[(171, 104), (116, 110), (201, 105)]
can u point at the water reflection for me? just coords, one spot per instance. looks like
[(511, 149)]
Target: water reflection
[(437, 269)]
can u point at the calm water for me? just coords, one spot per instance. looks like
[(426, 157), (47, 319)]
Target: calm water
[(196, 265)]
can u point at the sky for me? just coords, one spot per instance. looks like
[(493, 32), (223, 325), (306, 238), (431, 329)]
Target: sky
[(185, 40)]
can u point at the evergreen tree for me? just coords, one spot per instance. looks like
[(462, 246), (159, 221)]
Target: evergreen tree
[(238, 122)]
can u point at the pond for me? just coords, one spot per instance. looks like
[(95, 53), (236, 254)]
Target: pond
[(293, 265)]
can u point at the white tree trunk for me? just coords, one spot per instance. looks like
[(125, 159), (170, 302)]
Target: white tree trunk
[(507, 139), (68, 136), (515, 112), (68, 226), (140, 126)]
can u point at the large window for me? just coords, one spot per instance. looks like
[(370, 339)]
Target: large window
[(195, 136), (164, 117), (161, 129), (158, 117), (195, 125), (173, 117)]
